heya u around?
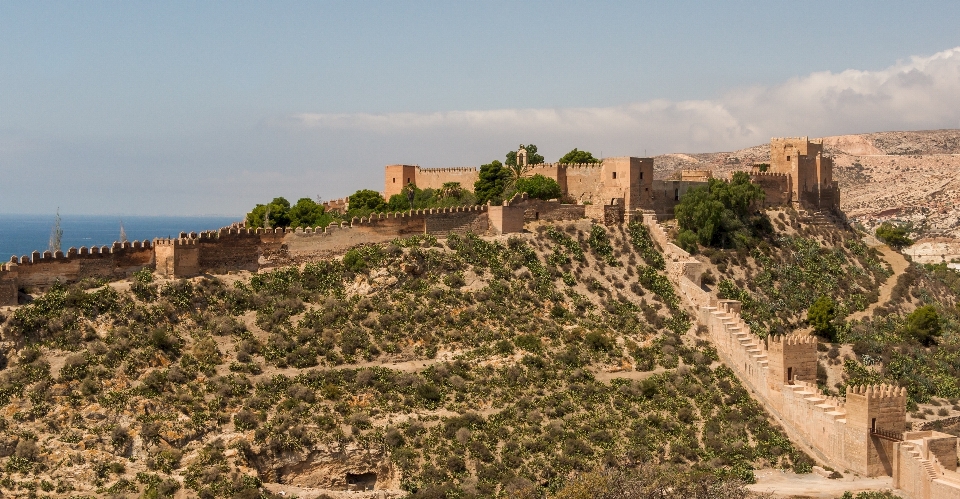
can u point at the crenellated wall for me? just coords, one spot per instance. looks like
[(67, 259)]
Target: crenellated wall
[(925, 465), (776, 187), (858, 432), (41, 270)]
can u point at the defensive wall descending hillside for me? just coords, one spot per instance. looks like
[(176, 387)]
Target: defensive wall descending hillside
[(863, 432)]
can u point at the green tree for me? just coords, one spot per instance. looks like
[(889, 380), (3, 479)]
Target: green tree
[(894, 235), (821, 316), (450, 190), (539, 187), (722, 213), (308, 213), (273, 214), (492, 181), (576, 156), (923, 324), (367, 201)]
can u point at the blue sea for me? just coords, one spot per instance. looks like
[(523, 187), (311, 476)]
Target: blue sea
[(23, 234)]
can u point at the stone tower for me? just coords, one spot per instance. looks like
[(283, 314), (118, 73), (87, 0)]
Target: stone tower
[(397, 177), (810, 172), (870, 409)]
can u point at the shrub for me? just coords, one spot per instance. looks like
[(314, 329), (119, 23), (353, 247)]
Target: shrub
[(539, 187), (821, 316), (894, 235), (720, 214), (923, 324)]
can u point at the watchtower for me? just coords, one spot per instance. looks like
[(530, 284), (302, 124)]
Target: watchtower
[(397, 177), (876, 416), (791, 357), (177, 257)]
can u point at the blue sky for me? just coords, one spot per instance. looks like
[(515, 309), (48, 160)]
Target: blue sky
[(209, 107)]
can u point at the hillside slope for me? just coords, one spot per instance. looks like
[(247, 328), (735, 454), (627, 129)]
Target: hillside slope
[(464, 368)]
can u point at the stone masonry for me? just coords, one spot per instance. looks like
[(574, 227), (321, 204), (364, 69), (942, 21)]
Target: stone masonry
[(863, 432)]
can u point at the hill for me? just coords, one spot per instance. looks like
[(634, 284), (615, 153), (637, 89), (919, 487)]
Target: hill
[(464, 368)]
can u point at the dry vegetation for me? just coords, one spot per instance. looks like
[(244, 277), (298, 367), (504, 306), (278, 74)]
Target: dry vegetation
[(463, 368)]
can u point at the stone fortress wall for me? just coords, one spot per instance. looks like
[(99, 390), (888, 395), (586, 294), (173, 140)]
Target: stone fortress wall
[(864, 432)]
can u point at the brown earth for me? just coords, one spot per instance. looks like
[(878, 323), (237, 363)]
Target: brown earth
[(906, 177)]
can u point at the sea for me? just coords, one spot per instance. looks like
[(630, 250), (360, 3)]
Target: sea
[(22, 234)]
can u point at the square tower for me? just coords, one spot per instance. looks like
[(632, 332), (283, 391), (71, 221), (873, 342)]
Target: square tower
[(396, 177), (872, 411), (628, 178), (810, 172), (791, 357)]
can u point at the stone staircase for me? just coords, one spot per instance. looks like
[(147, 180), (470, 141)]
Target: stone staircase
[(741, 334), (929, 469), (810, 394), (819, 217)]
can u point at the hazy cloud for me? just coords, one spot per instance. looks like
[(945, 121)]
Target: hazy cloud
[(922, 92), (238, 163)]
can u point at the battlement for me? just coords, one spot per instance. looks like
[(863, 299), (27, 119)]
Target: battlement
[(118, 247), (175, 242), (448, 169), (755, 172), (793, 339), (574, 166), (877, 391)]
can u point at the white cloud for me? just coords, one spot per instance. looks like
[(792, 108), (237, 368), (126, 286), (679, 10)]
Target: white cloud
[(922, 92), (232, 166)]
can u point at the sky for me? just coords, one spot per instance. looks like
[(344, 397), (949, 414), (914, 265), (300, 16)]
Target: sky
[(207, 108)]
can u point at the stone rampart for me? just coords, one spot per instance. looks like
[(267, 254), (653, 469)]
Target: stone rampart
[(121, 259), (9, 287), (776, 187), (925, 465), (666, 194), (434, 178), (858, 432)]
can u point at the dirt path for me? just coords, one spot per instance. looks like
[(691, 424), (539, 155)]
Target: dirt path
[(785, 484), (899, 265)]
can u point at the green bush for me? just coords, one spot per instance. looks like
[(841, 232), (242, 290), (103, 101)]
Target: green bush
[(539, 187), (722, 214), (821, 317), (894, 235)]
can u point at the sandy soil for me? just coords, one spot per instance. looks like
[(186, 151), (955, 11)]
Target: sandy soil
[(899, 265), (786, 484)]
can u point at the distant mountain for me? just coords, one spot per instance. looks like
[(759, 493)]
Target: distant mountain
[(897, 176)]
